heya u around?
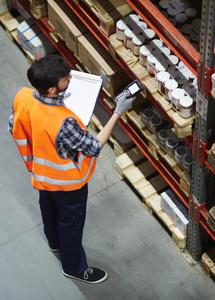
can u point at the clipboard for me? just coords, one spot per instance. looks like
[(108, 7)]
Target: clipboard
[(83, 92)]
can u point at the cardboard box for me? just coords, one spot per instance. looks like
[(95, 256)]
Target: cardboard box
[(66, 24), (98, 61)]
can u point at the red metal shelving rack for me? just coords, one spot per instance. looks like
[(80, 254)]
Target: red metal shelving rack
[(63, 50), (167, 32)]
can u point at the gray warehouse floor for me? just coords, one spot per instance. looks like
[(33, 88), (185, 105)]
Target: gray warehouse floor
[(120, 236)]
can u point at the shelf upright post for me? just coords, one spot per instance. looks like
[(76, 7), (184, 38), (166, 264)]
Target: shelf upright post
[(198, 186)]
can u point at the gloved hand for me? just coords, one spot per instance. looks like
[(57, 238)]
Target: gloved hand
[(123, 104)]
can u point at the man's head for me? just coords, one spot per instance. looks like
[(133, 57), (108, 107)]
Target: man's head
[(50, 75)]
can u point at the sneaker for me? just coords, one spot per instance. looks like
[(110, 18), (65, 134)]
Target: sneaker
[(90, 275), (54, 250)]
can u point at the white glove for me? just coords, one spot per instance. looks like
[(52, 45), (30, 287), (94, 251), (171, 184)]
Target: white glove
[(123, 104)]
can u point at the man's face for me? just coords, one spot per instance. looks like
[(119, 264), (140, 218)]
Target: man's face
[(63, 83)]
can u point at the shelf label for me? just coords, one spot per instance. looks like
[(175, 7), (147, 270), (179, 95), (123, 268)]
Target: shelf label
[(202, 106)]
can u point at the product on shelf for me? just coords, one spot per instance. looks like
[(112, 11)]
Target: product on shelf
[(211, 218), (68, 27), (31, 39), (173, 208)]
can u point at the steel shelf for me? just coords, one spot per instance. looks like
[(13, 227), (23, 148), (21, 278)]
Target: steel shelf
[(128, 128), (179, 45), (203, 221)]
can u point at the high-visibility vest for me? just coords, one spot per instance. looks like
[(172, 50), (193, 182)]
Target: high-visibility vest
[(35, 129)]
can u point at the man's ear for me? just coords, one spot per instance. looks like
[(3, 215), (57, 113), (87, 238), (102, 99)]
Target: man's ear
[(52, 91)]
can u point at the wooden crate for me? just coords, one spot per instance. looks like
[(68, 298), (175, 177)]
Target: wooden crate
[(108, 13)]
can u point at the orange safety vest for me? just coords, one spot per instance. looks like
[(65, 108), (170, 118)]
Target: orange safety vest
[(35, 129)]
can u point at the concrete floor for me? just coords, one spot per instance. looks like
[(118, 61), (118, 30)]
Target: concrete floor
[(120, 236)]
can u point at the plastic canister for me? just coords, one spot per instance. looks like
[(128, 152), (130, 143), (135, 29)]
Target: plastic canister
[(160, 66), (175, 96), (162, 78), (191, 12), (186, 107), (186, 28), (146, 115), (172, 60), (190, 89), (156, 44), (128, 38), (170, 85), (162, 136), (151, 61), (137, 42), (171, 145), (120, 30), (187, 162), (165, 51), (144, 52), (140, 27), (164, 4), (155, 123), (181, 18), (179, 154), (149, 35)]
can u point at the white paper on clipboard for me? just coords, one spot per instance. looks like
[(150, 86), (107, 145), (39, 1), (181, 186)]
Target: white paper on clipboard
[(84, 89)]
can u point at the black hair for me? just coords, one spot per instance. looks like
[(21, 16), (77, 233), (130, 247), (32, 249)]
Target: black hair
[(47, 71)]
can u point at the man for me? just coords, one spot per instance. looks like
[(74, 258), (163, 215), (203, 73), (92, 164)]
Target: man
[(61, 155)]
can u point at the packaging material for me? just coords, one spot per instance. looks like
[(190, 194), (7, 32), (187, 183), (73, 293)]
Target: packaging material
[(109, 12), (174, 213), (98, 61), (31, 39), (39, 8), (66, 24)]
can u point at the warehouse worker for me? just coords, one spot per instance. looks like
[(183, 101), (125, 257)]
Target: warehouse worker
[(61, 154)]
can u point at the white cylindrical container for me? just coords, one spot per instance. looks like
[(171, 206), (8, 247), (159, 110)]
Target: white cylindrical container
[(128, 38), (120, 30), (141, 26), (165, 51), (175, 96), (172, 60), (132, 22), (162, 78), (186, 107), (151, 61), (170, 85), (149, 35), (156, 44), (144, 52), (191, 12), (213, 80), (160, 66), (137, 41)]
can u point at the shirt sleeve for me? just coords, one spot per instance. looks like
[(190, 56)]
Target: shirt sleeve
[(10, 123), (72, 139)]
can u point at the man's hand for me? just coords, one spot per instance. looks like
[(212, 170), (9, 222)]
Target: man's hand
[(123, 104)]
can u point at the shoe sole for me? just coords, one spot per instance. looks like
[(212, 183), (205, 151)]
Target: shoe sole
[(83, 280)]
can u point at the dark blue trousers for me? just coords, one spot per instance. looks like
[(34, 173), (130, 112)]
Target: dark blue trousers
[(63, 215)]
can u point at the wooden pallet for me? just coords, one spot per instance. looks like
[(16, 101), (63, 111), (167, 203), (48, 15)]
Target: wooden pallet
[(10, 24), (182, 127), (108, 12), (148, 184), (208, 263)]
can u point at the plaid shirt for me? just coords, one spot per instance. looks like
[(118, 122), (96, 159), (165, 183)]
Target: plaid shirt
[(71, 137)]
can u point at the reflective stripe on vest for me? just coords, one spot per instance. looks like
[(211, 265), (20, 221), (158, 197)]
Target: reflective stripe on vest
[(21, 142), (63, 182)]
